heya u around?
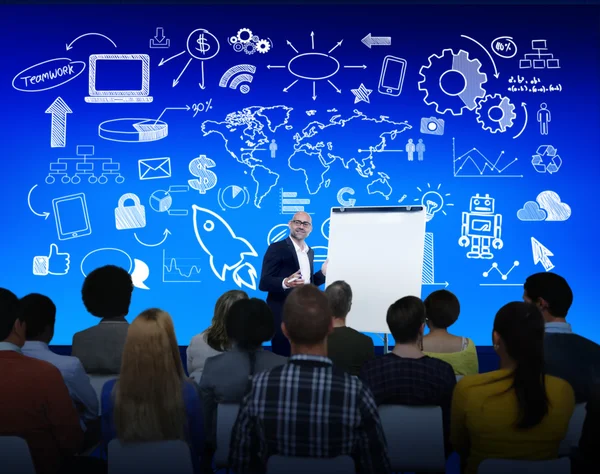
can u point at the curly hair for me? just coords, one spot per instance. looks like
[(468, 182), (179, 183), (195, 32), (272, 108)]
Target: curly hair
[(216, 334), (106, 292)]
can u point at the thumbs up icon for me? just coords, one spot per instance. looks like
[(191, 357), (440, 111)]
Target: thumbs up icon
[(57, 263)]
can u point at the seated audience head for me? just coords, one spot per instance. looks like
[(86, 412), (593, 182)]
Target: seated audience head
[(12, 328), (216, 334), (518, 339), (106, 292), (307, 319), (442, 309), (39, 312), (406, 320), (149, 402), (339, 295), (550, 293), (249, 323)]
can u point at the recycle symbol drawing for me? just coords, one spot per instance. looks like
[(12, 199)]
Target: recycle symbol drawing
[(494, 112)]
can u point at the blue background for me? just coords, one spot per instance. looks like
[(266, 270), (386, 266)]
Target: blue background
[(38, 33)]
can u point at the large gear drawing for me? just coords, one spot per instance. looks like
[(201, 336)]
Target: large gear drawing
[(248, 35), (263, 46), (501, 104), (441, 65)]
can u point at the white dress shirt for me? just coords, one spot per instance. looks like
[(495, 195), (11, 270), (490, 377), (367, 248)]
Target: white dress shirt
[(71, 368), (9, 346), (302, 254)]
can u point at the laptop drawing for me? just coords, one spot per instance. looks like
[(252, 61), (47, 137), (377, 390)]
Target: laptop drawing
[(118, 78)]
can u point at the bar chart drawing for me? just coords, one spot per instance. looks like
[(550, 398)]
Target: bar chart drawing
[(428, 277), (290, 203), (180, 270)]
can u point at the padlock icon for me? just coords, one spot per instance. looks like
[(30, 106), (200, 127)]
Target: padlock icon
[(130, 217)]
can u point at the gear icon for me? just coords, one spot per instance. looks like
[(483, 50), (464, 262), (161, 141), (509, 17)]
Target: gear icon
[(447, 64), (233, 40), (249, 48), (244, 35), (237, 47), (504, 109), (263, 46)]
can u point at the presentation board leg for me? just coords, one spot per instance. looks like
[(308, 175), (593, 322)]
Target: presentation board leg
[(385, 344)]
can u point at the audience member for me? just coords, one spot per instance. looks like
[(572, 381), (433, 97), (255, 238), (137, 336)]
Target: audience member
[(442, 309), (35, 403), (585, 459), (516, 412), (213, 340), (346, 347), (249, 323), (106, 294), (39, 314), (152, 400), (406, 376), (308, 407), (568, 356)]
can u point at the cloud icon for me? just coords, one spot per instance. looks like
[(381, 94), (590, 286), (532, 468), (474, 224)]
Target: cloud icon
[(550, 202), (531, 212)]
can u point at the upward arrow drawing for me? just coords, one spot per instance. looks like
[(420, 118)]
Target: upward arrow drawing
[(58, 131), (541, 254)]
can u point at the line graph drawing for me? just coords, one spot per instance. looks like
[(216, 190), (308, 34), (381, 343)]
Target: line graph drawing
[(504, 276), (474, 164), (180, 269)]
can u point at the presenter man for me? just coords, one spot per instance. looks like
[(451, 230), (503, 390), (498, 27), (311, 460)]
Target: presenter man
[(289, 264)]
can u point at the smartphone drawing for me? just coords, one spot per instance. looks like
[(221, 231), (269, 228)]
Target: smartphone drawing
[(71, 216), (392, 75)]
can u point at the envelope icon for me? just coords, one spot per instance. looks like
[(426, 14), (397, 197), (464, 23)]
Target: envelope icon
[(154, 168)]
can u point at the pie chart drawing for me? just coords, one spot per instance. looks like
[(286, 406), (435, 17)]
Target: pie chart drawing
[(133, 130), (233, 197)]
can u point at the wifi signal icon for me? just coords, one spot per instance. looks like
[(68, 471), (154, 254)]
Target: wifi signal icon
[(235, 75)]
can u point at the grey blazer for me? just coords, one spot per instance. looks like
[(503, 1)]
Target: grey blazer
[(100, 347), (224, 380)]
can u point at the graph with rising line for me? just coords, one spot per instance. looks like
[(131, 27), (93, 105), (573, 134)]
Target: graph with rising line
[(474, 164), (180, 269), (503, 276)]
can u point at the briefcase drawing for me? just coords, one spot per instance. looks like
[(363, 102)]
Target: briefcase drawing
[(130, 216)]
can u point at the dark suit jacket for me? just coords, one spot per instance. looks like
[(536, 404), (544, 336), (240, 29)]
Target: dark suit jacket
[(100, 347), (575, 359), (281, 261)]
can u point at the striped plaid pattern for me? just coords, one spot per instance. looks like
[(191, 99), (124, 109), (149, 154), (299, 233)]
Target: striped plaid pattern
[(308, 408)]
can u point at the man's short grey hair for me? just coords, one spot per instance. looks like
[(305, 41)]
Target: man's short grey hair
[(339, 295)]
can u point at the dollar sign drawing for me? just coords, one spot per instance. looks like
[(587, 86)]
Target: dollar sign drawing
[(206, 178), (203, 45)]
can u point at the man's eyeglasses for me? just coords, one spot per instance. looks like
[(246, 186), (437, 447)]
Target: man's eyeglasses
[(302, 223)]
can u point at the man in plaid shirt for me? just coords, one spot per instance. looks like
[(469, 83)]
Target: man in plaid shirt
[(308, 407)]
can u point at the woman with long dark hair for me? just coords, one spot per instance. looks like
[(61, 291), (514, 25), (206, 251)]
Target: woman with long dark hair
[(516, 412)]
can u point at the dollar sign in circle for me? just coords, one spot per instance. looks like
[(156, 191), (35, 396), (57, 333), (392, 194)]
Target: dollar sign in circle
[(199, 167), (203, 45)]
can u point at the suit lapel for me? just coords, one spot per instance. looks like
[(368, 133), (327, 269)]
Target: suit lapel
[(311, 260), (293, 250)]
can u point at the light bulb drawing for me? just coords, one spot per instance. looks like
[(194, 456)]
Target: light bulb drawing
[(433, 201)]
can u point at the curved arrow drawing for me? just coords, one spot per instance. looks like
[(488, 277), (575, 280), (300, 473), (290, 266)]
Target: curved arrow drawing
[(525, 124), (45, 215), (70, 45), (496, 73), (166, 233)]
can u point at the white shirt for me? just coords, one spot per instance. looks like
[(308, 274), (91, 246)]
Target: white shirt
[(558, 327), (9, 346), (71, 368), (303, 261)]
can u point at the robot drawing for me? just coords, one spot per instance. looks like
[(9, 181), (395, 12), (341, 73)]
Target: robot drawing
[(481, 228)]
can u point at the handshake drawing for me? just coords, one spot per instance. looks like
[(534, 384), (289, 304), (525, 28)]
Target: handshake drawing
[(56, 263)]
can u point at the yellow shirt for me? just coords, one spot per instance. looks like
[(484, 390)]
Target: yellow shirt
[(464, 362), (484, 418)]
